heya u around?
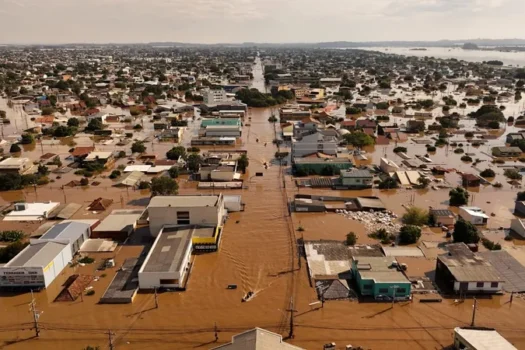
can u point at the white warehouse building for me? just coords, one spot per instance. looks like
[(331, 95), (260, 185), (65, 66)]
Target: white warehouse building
[(36, 266), (474, 215)]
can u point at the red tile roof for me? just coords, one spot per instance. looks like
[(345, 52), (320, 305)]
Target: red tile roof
[(82, 151)]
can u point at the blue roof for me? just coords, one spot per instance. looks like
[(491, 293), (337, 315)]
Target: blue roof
[(66, 230)]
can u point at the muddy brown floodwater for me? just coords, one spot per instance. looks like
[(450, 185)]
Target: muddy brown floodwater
[(258, 253)]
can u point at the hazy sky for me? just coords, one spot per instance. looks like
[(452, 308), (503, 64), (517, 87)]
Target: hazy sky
[(212, 21)]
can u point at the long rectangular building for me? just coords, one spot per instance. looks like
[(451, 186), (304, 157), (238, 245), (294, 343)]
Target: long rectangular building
[(167, 263)]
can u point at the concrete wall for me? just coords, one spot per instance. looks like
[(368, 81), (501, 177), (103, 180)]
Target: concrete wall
[(151, 280), (53, 269), (446, 220), (380, 288), (517, 227), (210, 216), (473, 219), (357, 182)]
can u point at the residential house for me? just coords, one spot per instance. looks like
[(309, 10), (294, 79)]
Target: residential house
[(100, 115), (474, 215), (506, 151), (379, 277), (321, 166), (356, 179), (172, 135), (104, 158), (470, 180), (463, 271), (257, 339), (317, 141), (443, 217), (475, 338), (514, 136), (16, 166)]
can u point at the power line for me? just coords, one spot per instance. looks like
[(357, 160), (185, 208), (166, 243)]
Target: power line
[(36, 314)]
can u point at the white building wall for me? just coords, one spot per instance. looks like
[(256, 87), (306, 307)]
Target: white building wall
[(158, 217), (151, 280), (517, 226), (55, 267), (222, 175), (472, 287), (223, 133), (473, 219)]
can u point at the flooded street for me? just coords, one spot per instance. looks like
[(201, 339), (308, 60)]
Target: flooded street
[(259, 253)]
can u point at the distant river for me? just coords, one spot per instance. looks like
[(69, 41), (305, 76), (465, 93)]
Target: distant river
[(508, 58)]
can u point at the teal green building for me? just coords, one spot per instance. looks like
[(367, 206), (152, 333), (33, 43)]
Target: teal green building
[(321, 166), (378, 277), (220, 121)]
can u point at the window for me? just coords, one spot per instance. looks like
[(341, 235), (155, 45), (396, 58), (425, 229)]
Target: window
[(358, 181), (173, 281), (183, 218), (401, 290), (494, 285), (383, 290), (367, 286), (480, 284)]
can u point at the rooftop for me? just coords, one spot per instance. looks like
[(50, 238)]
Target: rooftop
[(98, 155), (14, 163), (475, 211), (184, 201), (321, 160), (66, 230), (482, 339), (119, 220), (37, 254), (356, 173), (379, 269), (467, 266), (257, 339), (441, 212), (168, 250)]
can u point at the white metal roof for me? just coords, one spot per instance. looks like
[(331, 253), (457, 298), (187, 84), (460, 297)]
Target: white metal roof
[(142, 168), (32, 210), (484, 339), (403, 251)]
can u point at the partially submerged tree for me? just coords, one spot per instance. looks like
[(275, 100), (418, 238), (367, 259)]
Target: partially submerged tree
[(465, 232), (164, 186), (415, 216)]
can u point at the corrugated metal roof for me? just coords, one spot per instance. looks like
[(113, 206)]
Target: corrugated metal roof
[(130, 179), (119, 221), (37, 254), (70, 230)]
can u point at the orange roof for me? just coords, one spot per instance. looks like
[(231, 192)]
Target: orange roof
[(82, 151), (47, 119)]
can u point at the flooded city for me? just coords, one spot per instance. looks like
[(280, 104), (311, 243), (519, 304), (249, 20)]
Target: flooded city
[(284, 260)]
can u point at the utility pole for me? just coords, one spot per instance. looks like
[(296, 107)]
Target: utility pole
[(474, 307), (36, 314), (156, 299), (110, 339), (291, 310), (394, 295)]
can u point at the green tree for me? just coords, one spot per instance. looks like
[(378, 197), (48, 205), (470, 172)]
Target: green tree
[(43, 170), (138, 147), (512, 174), (194, 162), (423, 181), (242, 163), (48, 110), (94, 125), (27, 139), (458, 196), (520, 196), (73, 122), (164, 186), (15, 148), (63, 131), (115, 174), (409, 234), (359, 139), (351, 239), (173, 172), (465, 232), (12, 250), (415, 216), (488, 173), (176, 152), (388, 183)]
